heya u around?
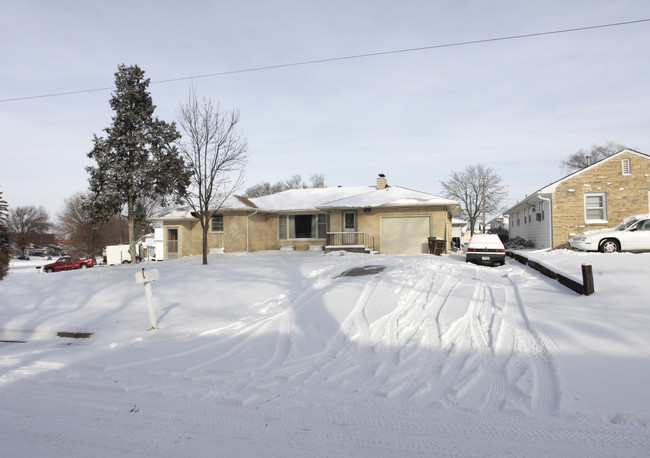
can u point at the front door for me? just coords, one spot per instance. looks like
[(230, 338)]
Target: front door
[(350, 225), (172, 243)]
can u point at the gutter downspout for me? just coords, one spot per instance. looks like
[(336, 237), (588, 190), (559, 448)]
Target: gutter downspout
[(247, 219), (550, 222)]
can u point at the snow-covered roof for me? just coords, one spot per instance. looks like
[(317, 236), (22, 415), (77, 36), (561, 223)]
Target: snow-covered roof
[(175, 213), (231, 203), (309, 199), (392, 196), (314, 199)]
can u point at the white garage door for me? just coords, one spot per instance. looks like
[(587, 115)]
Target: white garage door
[(405, 234)]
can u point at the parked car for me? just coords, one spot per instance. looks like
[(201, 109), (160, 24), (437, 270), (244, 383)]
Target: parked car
[(68, 263), (633, 234), (485, 249)]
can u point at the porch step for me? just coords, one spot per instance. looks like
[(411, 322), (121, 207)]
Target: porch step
[(348, 248)]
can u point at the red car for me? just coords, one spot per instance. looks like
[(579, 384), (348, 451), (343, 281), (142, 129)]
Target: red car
[(68, 263)]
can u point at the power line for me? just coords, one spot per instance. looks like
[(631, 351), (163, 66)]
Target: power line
[(341, 58)]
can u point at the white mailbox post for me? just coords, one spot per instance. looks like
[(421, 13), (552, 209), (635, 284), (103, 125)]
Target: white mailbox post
[(147, 278)]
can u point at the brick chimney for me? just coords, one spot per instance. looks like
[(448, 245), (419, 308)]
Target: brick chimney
[(382, 183)]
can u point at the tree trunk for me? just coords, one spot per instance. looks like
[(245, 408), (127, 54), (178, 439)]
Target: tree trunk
[(131, 220), (205, 228)]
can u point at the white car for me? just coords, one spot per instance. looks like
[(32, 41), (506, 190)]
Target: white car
[(486, 249), (633, 234)]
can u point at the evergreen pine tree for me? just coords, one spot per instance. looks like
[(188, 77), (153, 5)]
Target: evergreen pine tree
[(137, 160)]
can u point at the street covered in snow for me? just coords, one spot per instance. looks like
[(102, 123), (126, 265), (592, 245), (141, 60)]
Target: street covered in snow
[(306, 354)]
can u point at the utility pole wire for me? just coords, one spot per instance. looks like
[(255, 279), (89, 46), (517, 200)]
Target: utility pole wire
[(341, 58)]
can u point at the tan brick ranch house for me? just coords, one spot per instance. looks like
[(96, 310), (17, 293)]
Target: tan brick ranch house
[(596, 197), (382, 218)]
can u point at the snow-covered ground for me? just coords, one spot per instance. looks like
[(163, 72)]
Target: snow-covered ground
[(278, 354)]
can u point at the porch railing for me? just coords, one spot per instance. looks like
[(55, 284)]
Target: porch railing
[(350, 239)]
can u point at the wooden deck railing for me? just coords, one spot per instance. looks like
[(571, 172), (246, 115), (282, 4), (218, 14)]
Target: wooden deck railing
[(350, 239)]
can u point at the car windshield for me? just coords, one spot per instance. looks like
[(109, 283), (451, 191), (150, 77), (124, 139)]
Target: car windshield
[(624, 225)]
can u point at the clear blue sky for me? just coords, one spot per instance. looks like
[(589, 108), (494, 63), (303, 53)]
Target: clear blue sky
[(518, 106)]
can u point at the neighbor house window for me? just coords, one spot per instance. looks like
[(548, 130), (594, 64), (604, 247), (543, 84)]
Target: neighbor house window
[(518, 218), (309, 226), (216, 223), (596, 208), (625, 166)]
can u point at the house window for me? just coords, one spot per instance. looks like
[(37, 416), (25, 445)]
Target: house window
[(625, 166), (596, 208), (309, 226), (541, 211), (216, 222), (282, 227), (518, 216), (322, 225)]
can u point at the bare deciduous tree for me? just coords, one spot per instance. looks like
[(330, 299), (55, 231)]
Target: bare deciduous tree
[(295, 182), (83, 237), (583, 158), (4, 238), (28, 224), (264, 189), (478, 189), (317, 180), (216, 154)]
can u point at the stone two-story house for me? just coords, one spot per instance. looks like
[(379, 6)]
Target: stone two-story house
[(596, 197)]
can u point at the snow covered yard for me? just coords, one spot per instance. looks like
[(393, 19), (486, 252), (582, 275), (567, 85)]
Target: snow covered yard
[(278, 354)]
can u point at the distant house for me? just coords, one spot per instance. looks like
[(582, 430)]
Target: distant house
[(596, 197), (460, 231), (381, 218), (499, 223)]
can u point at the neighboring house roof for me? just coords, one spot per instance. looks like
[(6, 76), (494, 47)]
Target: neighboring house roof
[(176, 213), (550, 188), (314, 199)]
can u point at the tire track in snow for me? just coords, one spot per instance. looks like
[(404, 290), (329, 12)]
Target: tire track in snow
[(389, 336), (545, 393), (418, 353), (293, 369), (457, 360), (331, 365), (482, 314), (488, 349), (453, 336)]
